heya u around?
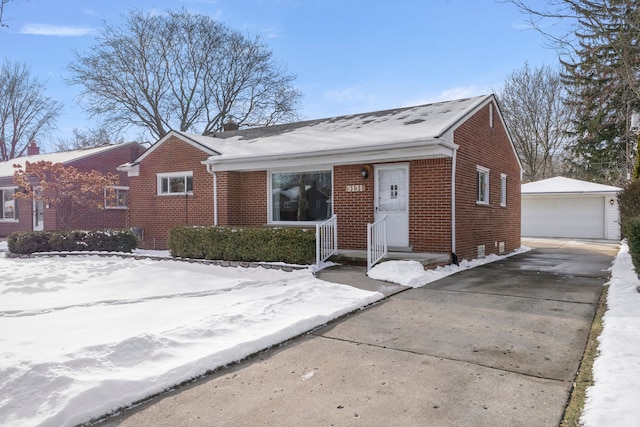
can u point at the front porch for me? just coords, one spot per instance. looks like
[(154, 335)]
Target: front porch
[(359, 257)]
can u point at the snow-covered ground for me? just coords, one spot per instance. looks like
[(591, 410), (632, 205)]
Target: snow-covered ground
[(614, 399), (83, 335)]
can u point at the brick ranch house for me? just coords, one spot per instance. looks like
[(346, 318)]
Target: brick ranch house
[(28, 215), (446, 175)]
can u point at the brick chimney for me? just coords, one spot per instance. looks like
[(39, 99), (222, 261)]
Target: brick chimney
[(33, 149), (230, 125)]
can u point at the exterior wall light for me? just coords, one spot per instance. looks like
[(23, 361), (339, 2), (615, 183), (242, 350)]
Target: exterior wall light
[(612, 202), (366, 169)]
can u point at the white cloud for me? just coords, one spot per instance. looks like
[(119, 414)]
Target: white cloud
[(55, 30)]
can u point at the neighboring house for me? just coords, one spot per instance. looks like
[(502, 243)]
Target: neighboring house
[(565, 207), (27, 215), (446, 176)]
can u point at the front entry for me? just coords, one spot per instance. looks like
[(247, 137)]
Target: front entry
[(38, 215), (392, 200)]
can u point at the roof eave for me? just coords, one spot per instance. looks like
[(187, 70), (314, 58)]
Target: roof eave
[(408, 150)]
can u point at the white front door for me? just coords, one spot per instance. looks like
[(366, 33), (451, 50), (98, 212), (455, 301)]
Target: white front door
[(38, 215), (392, 200)]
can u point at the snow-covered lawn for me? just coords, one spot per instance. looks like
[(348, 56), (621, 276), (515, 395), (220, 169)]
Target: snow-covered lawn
[(83, 335)]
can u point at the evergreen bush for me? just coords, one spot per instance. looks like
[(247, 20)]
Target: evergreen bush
[(633, 239), (28, 242), (249, 244), (629, 202)]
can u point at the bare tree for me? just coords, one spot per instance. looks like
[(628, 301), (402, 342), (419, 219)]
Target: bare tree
[(185, 72), (2, 3), (538, 121), (25, 112), (87, 138)]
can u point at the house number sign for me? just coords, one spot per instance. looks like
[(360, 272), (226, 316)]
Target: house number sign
[(356, 188)]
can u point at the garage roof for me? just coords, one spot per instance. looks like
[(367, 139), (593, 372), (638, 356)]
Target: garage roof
[(560, 184)]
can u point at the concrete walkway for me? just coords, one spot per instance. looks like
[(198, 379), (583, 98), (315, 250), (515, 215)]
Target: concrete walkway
[(498, 345)]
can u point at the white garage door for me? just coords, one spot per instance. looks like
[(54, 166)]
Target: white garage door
[(563, 216)]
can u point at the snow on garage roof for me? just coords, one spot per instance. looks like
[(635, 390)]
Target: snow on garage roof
[(560, 184)]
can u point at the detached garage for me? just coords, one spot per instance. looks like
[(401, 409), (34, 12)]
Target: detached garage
[(565, 207)]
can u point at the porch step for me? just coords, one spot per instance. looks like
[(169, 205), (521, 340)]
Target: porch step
[(357, 257)]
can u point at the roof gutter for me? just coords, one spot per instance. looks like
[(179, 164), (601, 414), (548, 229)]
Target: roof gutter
[(415, 149)]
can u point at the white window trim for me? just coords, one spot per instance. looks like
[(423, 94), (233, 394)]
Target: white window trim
[(2, 218), (160, 176), (503, 189), (270, 173), (482, 169), (116, 187)]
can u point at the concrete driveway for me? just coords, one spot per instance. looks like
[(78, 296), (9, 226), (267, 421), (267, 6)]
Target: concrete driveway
[(497, 345)]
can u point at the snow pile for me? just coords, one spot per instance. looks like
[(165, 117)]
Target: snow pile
[(614, 399), (82, 336), (413, 274)]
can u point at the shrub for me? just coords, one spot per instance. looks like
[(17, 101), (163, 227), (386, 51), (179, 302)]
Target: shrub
[(250, 244), (629, 202), (633, 239), (28, 242)]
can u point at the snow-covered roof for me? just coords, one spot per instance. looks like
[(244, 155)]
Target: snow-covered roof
[(345, 133), (7, 169), (424, 127), (560, 184)]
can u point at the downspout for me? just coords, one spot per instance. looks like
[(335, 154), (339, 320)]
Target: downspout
[(215, 198), (454, 257), (215, 194)]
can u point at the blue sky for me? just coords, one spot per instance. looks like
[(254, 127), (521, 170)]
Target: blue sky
[(350, 56)]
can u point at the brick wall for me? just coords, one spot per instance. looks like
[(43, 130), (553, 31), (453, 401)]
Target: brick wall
[(488, 225), (157, 214), (429, 205), (354, 209), (242, 198)]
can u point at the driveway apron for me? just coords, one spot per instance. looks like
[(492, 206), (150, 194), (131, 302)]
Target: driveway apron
[(497, 345)]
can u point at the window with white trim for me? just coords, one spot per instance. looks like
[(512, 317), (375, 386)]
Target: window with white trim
[(483, 185), (116, 197), (9, 204), (503, 189), (175, 183), (300, 196)]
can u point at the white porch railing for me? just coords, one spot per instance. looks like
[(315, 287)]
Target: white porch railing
[(376, 241), (326, 239)]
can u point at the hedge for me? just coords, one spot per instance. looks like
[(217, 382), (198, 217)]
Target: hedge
[(633, 239), (250, 244), (28, 242)]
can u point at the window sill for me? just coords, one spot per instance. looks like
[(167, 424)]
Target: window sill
[(182, 195), (300, 224), (116, 208), (482, 204), (14, 221)]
